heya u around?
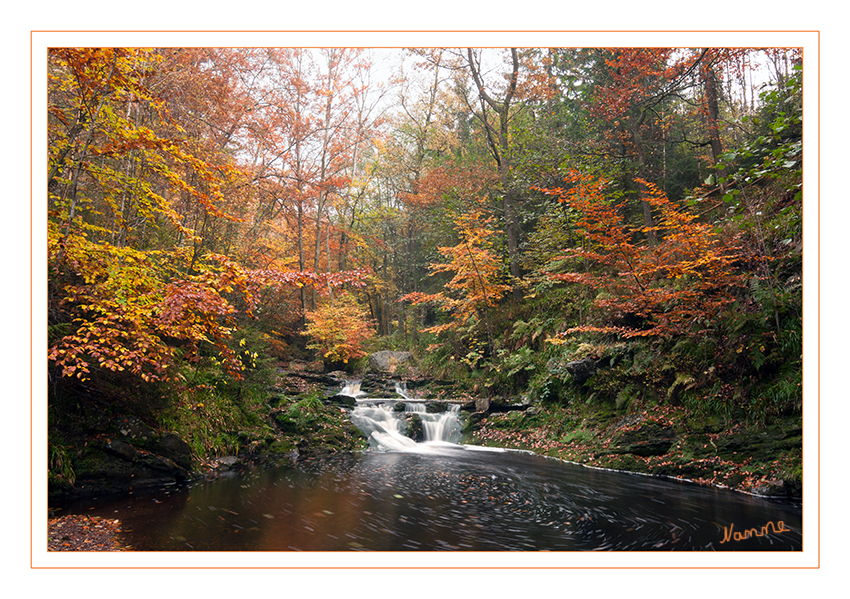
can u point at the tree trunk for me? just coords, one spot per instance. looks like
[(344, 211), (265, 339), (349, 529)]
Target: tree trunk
[(712, 115), (640, 152), (499, 144)]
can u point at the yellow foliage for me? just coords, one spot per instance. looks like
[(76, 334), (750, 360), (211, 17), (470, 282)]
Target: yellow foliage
[(337, 328)]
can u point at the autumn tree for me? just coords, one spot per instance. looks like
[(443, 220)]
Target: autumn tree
[(495, 115), (405, 214), (140, 312), (131, 168), (477, 282), (109, 173), (339, 140), (119, 171), (123, 309), (338, 328), (675, 287)]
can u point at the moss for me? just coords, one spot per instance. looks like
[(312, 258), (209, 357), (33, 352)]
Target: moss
[(579, 436), (280, 446), (508, 421)]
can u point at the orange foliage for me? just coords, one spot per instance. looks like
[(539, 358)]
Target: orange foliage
[(131, 310), (477, 282), (449, 180), (674, 288), (338, 328), (631, 70), (137, 311)]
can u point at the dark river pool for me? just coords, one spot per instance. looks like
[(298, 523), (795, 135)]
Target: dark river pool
[(446, 497)]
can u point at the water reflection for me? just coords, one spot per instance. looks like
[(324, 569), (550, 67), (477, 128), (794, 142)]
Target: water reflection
[(445, 497)]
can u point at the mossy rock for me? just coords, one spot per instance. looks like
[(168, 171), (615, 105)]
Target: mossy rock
[(762, 444), (619, 462), (285, 424), (651, 439), (281, 446), (508, 421), (436, 407), (697, 446), (414, 428)]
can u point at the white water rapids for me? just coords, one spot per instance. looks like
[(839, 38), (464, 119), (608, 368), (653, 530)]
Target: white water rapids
[(388, 424)]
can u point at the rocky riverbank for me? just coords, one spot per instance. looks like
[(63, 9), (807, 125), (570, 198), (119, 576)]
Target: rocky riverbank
[(118, 453), (663, 441), (117, 447)]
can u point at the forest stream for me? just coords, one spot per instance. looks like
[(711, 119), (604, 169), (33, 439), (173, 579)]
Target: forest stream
[(440, 495), (587, 264)]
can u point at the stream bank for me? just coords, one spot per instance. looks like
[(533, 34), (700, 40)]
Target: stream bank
[(113, 450), (667, 441)]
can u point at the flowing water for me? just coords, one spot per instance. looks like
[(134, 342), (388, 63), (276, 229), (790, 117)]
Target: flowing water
[(394, 425), (437, 495)]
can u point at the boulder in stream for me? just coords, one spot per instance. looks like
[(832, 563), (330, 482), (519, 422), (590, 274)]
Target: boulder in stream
[(341, 399), (387, 362)]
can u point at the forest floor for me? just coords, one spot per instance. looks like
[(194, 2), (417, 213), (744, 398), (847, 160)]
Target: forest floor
[(84, 533)]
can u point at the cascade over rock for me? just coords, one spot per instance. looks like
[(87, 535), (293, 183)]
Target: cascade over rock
[(402, 422)]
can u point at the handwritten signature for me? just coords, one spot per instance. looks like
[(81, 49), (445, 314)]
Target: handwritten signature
[(733, 535)]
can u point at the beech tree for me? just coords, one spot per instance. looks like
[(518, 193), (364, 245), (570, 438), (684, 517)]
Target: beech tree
[(675, 287), (477, 282), (338, 328), (110, 174), (498, 142)]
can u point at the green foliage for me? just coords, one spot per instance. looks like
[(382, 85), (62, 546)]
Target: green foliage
[(511, 370), (774, 151), (306, 411), (508, 421), (694, 353), (308, 423), (59, 463), (215, 413), (218, 416), (441, 360), (579, 435)]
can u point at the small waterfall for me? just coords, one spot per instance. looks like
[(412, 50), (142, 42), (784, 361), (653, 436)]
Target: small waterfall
[(352, 389), (443, 427), (381, 425), (393, 425), (401, 389)]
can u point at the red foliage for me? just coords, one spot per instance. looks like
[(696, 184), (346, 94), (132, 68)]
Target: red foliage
[(450, 180), (673, 288)]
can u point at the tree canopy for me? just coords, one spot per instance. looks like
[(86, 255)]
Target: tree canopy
[(479, 201)]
